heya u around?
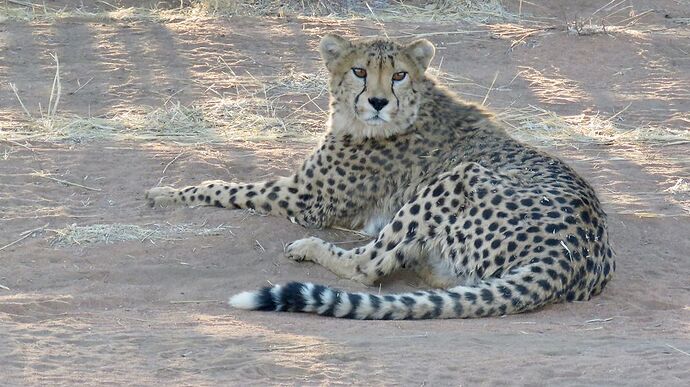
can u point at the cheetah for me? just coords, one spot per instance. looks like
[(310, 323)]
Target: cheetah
[(493, 226)]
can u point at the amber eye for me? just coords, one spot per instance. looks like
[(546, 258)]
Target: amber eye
[(399, 76), (359, 73)]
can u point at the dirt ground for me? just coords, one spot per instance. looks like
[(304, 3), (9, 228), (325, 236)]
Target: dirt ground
[(153, 310)]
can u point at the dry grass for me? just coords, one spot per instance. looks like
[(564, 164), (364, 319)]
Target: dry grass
[(543, 127), (681, 186), (260, 109), (480, 11), (111, 233), (611, 18), (477, 11)]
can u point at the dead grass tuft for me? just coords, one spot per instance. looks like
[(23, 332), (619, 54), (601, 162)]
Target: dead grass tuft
[(681, 186), (477, 11), (536, 125), (111, 233)]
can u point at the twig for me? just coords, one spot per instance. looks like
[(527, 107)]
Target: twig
[(4, 287), (56, 90), (16, 94), (425, 335), (599, 320), (490, 87), (172, 161), (259, 244), (24, 3), (24, 235), (81, 86), (288, 348), (352, 231), (39, 174), (21, 145), (108, 4), (676, 349)]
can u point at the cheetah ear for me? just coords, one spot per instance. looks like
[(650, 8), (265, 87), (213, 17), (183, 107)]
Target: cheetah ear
[(421, 51), (332, 47)]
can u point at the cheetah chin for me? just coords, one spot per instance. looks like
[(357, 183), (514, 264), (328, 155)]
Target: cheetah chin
[(492, 225)]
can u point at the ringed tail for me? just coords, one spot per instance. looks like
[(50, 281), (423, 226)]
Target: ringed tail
[(493, 297)]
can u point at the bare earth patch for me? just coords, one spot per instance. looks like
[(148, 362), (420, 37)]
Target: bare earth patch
[(96, 287)]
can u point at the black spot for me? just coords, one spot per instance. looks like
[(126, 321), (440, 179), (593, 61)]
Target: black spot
[(397, 226), (412, 229), (438, 305), (438, 191), (505, 292), (414, 210), (527, 202), (552, 242), (544, 284), (471, 297), (487, 296)]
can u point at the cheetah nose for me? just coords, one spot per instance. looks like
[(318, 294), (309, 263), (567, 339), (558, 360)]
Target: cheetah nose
[(378, 103)]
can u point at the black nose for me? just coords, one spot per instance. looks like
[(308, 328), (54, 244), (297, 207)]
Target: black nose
[(378, 103)]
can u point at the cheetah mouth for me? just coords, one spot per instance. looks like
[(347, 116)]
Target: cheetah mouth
[(376, 120)]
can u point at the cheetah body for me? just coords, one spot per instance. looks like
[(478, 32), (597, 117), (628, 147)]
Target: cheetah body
[(493, 225)]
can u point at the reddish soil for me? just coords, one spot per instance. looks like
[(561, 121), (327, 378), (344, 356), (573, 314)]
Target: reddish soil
[(118, 312)]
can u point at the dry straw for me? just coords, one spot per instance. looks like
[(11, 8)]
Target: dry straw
[(540, 126), (480, 11), (255, 111), (111, 233)]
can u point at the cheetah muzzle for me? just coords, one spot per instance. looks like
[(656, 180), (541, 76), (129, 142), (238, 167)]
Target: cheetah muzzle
[(492, 225)]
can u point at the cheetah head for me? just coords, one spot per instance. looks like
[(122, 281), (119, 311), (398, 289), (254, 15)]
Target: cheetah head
[(374, 84)]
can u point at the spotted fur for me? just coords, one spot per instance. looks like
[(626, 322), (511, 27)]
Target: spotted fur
[(495, 226)]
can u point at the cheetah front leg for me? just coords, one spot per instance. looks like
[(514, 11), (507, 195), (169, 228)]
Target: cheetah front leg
[(404, 242), (422, 236), (283, 197)]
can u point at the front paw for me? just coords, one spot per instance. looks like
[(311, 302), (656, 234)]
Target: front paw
[(161, 196), (304, 249)]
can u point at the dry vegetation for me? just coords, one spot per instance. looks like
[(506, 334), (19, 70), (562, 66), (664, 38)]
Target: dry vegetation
[(110, 233), (257, 111)]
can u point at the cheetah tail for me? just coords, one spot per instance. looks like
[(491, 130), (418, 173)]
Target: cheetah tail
[(459, 302)]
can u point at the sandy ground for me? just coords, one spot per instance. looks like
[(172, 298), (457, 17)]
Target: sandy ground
[(152, 310)]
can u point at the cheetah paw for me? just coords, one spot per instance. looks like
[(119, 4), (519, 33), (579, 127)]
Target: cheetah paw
[(161, 196), (303, 249)]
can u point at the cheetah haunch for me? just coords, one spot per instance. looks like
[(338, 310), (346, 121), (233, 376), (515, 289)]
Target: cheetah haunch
[(495, 225)]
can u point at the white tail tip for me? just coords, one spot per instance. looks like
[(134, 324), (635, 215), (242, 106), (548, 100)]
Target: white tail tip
[(244, 300)]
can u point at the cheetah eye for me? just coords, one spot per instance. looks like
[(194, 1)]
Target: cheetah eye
[(359, 73), (397, 77)]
